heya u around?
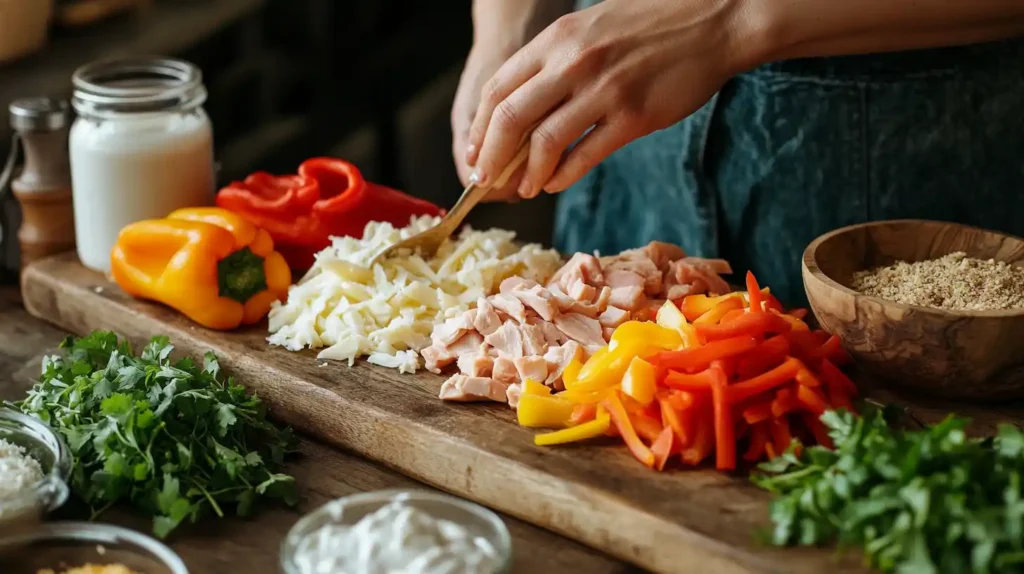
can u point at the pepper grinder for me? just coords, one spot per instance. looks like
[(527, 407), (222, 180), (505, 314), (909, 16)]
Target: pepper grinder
[(43, 185)]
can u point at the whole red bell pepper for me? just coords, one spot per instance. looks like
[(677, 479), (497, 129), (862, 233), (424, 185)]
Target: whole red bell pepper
[(327, 198)]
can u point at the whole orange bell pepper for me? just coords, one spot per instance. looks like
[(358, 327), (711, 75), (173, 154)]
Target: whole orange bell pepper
[(208, 263)]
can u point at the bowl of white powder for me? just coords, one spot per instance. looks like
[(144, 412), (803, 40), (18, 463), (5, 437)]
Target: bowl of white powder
[(34, 468), (398, 531)]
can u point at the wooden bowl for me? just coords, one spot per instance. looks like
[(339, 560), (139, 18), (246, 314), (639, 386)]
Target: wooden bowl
[(975, 355)]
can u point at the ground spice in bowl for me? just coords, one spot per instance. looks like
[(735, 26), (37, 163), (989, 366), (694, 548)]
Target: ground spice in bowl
[(953, 282)]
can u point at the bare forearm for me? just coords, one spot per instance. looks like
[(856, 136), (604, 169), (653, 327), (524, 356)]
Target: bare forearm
[(514, 22), (811, 28)]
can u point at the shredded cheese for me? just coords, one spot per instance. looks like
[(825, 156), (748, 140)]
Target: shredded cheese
[(389, 311), (19, 473)]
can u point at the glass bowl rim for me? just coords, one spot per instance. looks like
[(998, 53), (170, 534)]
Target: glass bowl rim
[(52, 490)]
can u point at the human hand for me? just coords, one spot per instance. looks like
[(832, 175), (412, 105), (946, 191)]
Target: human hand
[(625, 68), (482, 63)]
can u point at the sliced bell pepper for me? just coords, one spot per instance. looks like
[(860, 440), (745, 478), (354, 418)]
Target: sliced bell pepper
[(758, 412), (621, 421), (603, 370), (592, 429), (818, 430), (692, 383), (768, 354), (662, 448), (754, 294), (638, 338), (571, 372), (670, 416), (812, 399), (646, 427), (834, 377), (582, 413), (751, 324), (800, 314), (693, 306), (703, 441), (542, 411), (830, 349), (328, 197), (208, 263), (532, 387), (806, 378), (670, 317), (781, 435), (767, 381), (785, 402), (733, 315), (759, 437), (725, 427), (796, 324), (838, 399), (715, 315), (700, 358), (639, 381)]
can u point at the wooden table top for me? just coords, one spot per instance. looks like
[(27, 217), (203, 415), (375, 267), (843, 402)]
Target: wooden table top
[(322, 474)]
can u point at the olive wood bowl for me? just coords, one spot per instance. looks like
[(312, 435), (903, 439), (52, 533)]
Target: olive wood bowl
[(974, 355)]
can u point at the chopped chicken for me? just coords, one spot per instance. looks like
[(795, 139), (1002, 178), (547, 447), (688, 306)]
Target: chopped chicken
[(508, 340), (467, 389), (582, 329), (505, 370), (512, 394), (486, 321), (476, 365), (613, 317), (534, 367)]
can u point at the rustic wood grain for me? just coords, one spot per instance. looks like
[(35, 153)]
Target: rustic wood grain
[(322, 474), (670, 522), (970, 355)]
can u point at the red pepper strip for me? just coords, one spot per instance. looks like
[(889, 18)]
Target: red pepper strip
[(725, 427), (837, 399), (672, 420), (818, 430), (805, 377), (754, 293), (772, 304), (662, 448), (582, 413), (758, 412), (696, 383), (714, 316), (764, 382), (770, 353), (703, 438), (646, 427), (812, 399), (751, 324), (801, 343), (781, 436), (834, 377), (698, 358), (828, 350), (784, 403), (759, 436), (732, 315), (798, 313), (621, 420), (679, 400)]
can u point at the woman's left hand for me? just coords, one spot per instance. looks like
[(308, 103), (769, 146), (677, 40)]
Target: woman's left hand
[(623, 67)]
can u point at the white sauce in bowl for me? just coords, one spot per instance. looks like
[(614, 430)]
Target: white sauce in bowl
[(397, 538)]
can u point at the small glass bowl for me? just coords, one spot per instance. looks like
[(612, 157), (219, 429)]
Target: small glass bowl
[(47, 447), (61, 545), (349, 510)]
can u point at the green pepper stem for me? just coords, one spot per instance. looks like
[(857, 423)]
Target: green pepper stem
[(240, 275)]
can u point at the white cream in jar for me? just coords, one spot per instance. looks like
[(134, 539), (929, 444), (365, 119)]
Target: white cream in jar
[(141, 147)]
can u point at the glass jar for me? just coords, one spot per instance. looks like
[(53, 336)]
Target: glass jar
[(141, 147)]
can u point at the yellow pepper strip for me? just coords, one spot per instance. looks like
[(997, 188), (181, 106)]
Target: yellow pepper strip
[(541, 411), (577, 396), (592, 429), (670, 317), (644, 336), (639, 381), (208, 263), (532, 387), (571, 372)]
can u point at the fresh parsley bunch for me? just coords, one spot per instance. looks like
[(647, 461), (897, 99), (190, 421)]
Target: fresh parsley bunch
[(918, 502), (176, 439)]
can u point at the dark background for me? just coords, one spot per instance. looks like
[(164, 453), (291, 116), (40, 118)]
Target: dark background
[(370, 81)]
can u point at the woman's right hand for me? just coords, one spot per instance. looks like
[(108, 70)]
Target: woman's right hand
[(482, 63)]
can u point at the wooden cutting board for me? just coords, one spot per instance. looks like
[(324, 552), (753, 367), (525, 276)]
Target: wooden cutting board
[(675, 521)]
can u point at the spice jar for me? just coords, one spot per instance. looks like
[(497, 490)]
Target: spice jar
[(142, 146), (43, 185)]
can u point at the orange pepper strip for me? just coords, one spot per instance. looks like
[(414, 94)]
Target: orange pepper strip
[(834, 377), (754, 293), (781, 435), (805, 377), (582, 413), (758, 412), (767, 355), (767, 381), (725, 427), (714, 316), (812, 399), (647, 428), (732, 315), (680, 400), (798, 313), (621, 421), (818, 430), (662, 448), (794, 322), (759, 436), (671, 418), (693, 306), (751, 324), (699, 358), (785, 402), (699, 382), (703, 437)]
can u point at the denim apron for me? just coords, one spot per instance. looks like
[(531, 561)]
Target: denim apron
[(794, 149)]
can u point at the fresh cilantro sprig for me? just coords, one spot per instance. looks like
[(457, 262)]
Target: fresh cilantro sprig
[(918, 502), (175, 439)]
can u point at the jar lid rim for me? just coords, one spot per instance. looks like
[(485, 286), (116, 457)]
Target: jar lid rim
[(143, 82)]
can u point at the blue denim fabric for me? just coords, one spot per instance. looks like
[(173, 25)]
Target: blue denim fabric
[(794, 149)]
